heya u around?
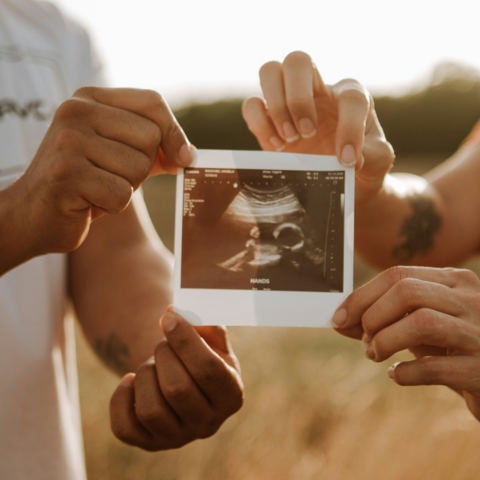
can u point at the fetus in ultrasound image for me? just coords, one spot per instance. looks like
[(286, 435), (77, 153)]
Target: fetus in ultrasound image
[(262, 230)]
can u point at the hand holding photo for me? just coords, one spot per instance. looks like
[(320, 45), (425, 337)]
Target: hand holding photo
[(263, 238)]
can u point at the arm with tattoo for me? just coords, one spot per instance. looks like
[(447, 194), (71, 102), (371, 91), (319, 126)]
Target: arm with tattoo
[(418, 230), (114, 353), (430, 220), (120, 283)]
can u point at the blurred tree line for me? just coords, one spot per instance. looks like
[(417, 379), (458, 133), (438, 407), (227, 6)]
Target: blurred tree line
[(435, 118)]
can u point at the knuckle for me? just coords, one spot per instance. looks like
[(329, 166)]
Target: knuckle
[(154, 100), (407, 290), (146, 370), (270, 68), (66, 108), (178, 391), (149, 413), (381, 346), (353, 95), (299, 104), (350, 84), (73, 108), (353, 301), (396, 274), (61, 171), (369, 321), (120, 430), (209, 428), (353, 91), (297, 57), (122, 193), (237, 400), (69, 140), (425, 322), (468, 277), (211, 372), (85, 92)]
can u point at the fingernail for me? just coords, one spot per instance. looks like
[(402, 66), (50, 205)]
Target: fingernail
[(128, 380), (185, 155), (366, 339), (307, 128), (369, 352), (290, 132), (277, 143), (340, 318), (391, 370), (348, 158), (169, 321)]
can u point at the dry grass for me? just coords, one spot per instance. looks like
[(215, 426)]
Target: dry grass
[(315, 409)]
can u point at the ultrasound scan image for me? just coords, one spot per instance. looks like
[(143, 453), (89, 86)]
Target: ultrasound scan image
[(263, 230)]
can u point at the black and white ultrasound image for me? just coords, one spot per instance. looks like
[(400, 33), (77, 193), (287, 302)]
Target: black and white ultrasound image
[(263, 230)]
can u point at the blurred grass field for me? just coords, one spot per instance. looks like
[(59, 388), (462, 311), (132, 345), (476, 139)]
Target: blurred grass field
[(314, 409)]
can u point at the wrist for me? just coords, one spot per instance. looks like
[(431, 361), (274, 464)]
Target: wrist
[(17, 241), (367, 196)]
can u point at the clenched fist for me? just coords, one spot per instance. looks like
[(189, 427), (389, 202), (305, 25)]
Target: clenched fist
[(102, 144), (184, 392)]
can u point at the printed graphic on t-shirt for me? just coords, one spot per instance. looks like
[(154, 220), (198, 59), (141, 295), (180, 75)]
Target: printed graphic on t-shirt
[(32, 86), (33, 108)]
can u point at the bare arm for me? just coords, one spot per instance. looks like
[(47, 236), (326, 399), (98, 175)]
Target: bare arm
[(187, 380), (399, 219), (15, 245), (426, 220), (120, 282), (102, 144)]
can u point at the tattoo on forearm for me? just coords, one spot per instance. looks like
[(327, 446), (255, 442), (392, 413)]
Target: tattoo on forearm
[(419, 229), (114, 353)]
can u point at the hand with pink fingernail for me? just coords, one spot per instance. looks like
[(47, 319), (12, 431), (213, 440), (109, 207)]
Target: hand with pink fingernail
[(300, 114)]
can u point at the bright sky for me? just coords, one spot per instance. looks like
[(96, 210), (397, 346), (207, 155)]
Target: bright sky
[(207, 49)]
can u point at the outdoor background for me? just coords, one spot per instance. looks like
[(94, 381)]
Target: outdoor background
[(315, 408)]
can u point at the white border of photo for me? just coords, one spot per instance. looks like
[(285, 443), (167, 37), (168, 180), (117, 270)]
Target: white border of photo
[(263, 307)]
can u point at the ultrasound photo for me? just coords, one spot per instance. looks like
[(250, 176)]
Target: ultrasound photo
[(263, 230)]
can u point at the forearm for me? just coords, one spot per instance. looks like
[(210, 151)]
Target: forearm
[(401, 224), (423, 220), (16, 242), (120, 288)]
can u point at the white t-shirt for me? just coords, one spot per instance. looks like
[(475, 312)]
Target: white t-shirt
[(44, 58)]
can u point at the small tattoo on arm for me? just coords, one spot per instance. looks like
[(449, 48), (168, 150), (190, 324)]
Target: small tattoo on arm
[(419, 229), (114, 353)]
